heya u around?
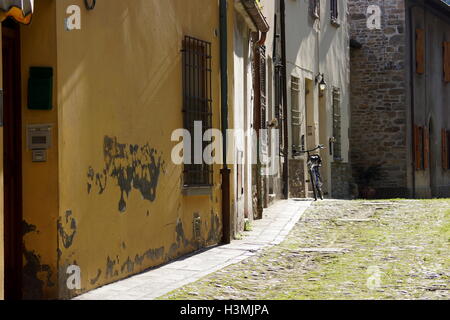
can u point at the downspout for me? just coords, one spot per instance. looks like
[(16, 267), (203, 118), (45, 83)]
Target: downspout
[(285, 107), (411, 85), (225, 172), (259, 41), (262, 39)]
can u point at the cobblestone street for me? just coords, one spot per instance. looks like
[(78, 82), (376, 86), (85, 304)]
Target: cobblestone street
[(396, 249)]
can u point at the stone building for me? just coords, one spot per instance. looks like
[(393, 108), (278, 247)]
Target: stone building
[(400, 97)]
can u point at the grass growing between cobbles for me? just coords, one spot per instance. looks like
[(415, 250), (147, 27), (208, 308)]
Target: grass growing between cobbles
[(389, 249)]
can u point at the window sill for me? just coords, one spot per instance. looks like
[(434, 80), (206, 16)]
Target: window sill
[(335, 23), (190, 191)]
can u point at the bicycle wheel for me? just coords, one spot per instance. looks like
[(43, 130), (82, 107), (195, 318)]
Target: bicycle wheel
[(320, 192), (319, 184), (313, 183)]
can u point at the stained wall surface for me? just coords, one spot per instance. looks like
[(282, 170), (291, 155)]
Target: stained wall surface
[(122, 209)]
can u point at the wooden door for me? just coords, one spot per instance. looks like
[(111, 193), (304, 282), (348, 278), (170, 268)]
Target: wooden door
[(12, 163)]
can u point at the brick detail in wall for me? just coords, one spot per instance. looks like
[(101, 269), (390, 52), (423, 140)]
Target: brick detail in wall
[(378, 92)]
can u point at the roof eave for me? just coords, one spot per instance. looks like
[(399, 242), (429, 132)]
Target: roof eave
[(252, 14)]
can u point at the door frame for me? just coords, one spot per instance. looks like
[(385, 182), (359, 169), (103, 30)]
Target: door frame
[(12, 161)]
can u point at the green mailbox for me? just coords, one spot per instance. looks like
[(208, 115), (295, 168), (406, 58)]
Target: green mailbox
[(40, 88)]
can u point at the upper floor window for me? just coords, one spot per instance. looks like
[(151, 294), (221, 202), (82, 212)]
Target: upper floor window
[(420, 51), (314, 6), (334, 11), (446, 46), (337, 125), (296, 114)]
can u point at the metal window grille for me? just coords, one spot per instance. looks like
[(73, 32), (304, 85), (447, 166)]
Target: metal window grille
[(337, 146), (334, 10), (263, 86), (295, 113), (279, 103), (314, 6), (197, 104)]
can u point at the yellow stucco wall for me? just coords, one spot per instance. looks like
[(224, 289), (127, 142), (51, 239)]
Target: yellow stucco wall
[(120, 86), (40, 180)]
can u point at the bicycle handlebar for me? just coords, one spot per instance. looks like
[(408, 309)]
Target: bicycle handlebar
[(320, 146)]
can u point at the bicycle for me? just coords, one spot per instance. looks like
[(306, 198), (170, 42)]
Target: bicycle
[(314, 163)]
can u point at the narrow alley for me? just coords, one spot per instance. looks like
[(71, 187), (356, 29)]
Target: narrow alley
[(345, 250)]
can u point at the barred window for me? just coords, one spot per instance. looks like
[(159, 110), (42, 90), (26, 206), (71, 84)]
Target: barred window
[(278, 84), (337, 146), (197, 105), (295, 114), (334, 10), (314, 8), (263, 86)]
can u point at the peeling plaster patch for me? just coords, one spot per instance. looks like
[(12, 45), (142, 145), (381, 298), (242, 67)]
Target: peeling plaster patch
[(180, 234), (33, 286), (181, 240), (99, 179), (90, 176), (110, 267), (132, 166), (129, 265), (28, 228), (173, 251), (66, 238), (139, 259), (197, 228), (151, 254), (94, 281), (214, 230), (154, 254)]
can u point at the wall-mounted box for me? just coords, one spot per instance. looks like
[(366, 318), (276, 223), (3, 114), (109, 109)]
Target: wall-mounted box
[(40, 88), (39, 136), (39, 156)]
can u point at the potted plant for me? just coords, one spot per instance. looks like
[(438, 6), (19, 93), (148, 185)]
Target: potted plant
[(366, 177)]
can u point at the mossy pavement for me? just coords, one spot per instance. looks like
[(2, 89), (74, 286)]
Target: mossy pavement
[(384, 249)]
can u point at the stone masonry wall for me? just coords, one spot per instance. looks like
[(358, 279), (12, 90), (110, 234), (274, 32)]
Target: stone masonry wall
[(378, 95), (297, 178), (340, 180)]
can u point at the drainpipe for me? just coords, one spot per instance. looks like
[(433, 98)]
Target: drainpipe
[(285, 107), (411, 85), (262, 39), (258, 42), (225, 172)]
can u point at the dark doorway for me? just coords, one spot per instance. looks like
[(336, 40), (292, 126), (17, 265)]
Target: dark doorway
[(12, 159)]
